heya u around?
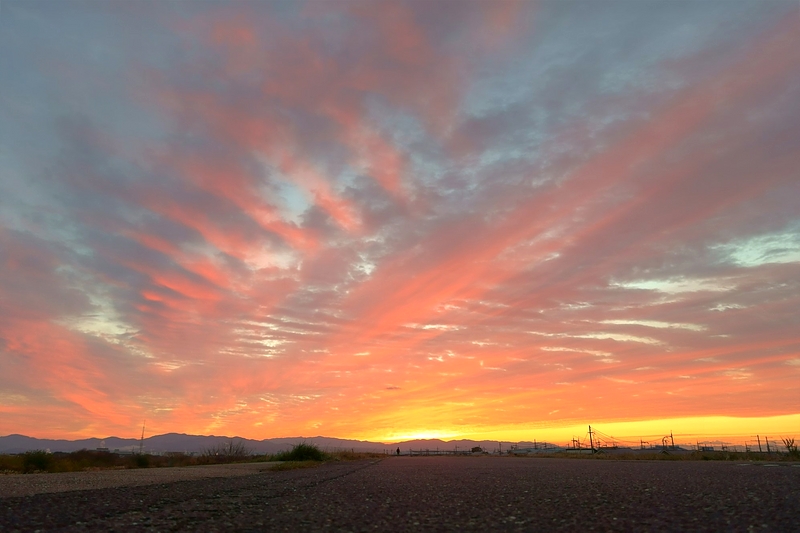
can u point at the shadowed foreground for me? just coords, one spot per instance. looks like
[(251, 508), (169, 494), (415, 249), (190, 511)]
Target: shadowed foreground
[(438, 493)]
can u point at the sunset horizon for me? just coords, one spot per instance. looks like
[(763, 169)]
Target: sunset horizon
[(685, 431), (500, 220)]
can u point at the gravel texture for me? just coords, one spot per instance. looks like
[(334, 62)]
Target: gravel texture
[(438, 494), (30, 484)]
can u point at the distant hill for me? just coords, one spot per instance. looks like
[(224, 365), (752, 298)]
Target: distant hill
[(180, 442)]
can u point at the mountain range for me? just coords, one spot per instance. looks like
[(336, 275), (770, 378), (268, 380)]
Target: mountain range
[(180, 442)]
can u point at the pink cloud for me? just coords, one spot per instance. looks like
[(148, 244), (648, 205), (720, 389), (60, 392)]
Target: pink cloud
[(336, 228)]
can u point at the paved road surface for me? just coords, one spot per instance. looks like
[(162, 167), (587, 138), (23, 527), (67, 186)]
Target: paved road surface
[(438, 494)]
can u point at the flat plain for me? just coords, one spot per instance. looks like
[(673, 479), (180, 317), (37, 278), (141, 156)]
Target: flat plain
[(421, 494)]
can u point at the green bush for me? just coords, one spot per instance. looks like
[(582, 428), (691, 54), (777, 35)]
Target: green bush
[(301, 452), (37, 461)]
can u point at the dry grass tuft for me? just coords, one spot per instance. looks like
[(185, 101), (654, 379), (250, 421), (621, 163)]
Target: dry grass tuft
[(346, 455)]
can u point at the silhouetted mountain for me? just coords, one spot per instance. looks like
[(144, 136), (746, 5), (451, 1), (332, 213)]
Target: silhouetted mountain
[(180, 442)]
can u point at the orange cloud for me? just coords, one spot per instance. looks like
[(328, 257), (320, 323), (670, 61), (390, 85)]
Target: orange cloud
[(341, 223)]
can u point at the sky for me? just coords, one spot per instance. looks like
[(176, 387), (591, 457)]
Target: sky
[(387, 220)]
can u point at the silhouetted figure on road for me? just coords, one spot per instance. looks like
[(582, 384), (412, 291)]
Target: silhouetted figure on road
[(398, 450)]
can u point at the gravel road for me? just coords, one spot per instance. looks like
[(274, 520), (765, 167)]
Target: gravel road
[(437, 494)]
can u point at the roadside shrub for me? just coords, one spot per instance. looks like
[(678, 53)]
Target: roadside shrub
[(226, 453), (10, 463), (177, 459), (350, 455), (140, 460), (301, 452), (36, 461), (88, 459)]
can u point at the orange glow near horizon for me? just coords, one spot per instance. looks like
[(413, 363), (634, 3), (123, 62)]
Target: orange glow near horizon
[(691, 429), (484, 223), (686, 431)]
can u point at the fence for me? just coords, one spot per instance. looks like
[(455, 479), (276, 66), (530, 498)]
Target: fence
[(599, 441)]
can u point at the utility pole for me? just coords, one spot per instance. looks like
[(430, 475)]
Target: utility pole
[(141, 442), (671, 439), (767, 439), (759, 443), (591, 442)]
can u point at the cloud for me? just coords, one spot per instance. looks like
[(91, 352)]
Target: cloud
[(259, 217)]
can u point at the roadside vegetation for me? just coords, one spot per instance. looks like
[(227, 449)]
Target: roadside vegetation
[(229, 452), (306, 455), (675, 455), (791, 448), (302, 452), (302, 455)]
